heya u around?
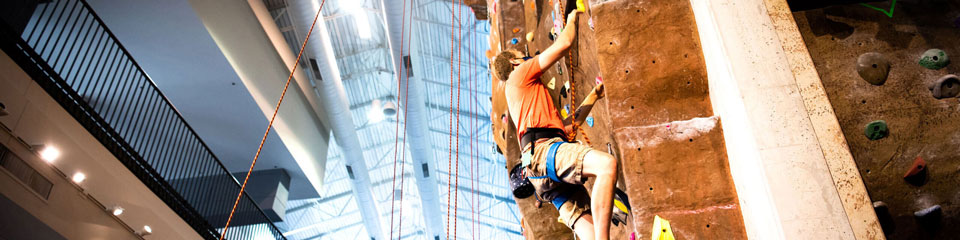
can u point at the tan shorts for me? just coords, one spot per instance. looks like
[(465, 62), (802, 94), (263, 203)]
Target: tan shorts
[(569, 166)]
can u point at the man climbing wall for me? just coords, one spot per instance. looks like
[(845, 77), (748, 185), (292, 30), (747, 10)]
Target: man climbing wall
[(556, 168)]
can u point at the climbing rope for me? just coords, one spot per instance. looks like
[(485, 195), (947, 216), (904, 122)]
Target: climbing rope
[(456, 186), (450, 133), (396, 131), (403, 157), (270, 125), (573, 97), (473, 145)]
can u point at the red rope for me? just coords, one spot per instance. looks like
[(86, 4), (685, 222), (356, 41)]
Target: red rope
[(399, 70), (403, 157), (450, 134), (473, 144), (456, 199), (270, 125)]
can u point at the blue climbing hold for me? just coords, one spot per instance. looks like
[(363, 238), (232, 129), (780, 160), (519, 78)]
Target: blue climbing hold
[(514, 41), (590, 121)]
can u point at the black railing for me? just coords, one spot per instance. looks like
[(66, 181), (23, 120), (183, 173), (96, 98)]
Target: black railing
[(68, 50)]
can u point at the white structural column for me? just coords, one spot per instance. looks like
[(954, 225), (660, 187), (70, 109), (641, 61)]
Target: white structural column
[(778, 163), (333, 96), (399, 21), (239, 34)]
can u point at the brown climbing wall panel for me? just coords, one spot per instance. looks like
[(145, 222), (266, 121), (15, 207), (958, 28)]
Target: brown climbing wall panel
[(649, 57), (649, 52), (919, 124)]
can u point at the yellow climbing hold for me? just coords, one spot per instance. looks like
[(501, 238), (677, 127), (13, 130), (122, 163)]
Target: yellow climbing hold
[(563, 113), (580, 6), (619, 205), (552, 84), (661, 229)]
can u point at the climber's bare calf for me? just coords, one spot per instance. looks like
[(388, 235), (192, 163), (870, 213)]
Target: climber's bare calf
[(602, 167)]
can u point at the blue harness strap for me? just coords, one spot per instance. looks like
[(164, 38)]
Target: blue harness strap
[(560, 199), (551, 161)]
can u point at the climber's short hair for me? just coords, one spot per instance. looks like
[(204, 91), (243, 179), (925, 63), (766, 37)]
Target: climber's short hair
[(501, 65)]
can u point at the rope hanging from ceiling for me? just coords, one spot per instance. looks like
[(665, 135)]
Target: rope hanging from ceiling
[(243, 187)]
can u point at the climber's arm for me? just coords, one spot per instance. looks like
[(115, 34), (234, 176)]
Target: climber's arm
[(561, 47), (580, 115)]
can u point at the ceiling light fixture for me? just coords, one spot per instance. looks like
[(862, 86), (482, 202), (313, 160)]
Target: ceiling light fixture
[(355, 8), (375, 114), (79, 177)]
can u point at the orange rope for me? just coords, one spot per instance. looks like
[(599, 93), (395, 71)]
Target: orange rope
[(396, 130), (403, 157), (456, 199), (270, 125), (450, 134)]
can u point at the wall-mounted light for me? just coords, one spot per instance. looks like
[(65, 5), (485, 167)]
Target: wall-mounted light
[(48, 153), (79, 177), (116, 210), (146, 231)]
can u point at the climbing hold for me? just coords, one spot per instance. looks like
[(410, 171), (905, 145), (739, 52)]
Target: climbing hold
[(947, 86), (917, 172), (599, 80), (565, 111), (883, 215), (563, 91), (516, 30), (621, 207), (590, 23), (661, 229), (514, 41), (559, 69), (934, 59), (633, 236), (580, 6), (590, 121), (552, 84), (530, 37), (873, 67), (566, 85), (876, 130), (933, 211)]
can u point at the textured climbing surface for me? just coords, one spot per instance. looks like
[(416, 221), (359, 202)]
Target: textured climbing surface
[(656, 117), (920, 125)]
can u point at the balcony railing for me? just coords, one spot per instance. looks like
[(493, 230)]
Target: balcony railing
[(68, 50)]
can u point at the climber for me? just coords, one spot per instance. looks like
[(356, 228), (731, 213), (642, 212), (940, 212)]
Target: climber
[(557, 169)]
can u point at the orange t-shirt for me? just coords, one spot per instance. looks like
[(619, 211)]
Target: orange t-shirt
[(528, 100)]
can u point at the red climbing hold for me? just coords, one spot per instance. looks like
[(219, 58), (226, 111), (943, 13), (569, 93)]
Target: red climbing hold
[(918, 166)]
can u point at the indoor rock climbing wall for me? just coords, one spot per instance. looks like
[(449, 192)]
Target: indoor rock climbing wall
[(918, 124), (656, 119)]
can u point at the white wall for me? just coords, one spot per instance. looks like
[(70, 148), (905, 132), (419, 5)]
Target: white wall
[(784, 183)]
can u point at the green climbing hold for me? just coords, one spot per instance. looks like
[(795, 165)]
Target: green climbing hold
[(876, 130), (934, 59)]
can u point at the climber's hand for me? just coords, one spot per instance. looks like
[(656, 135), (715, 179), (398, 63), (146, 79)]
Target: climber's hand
[(572, 18)]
